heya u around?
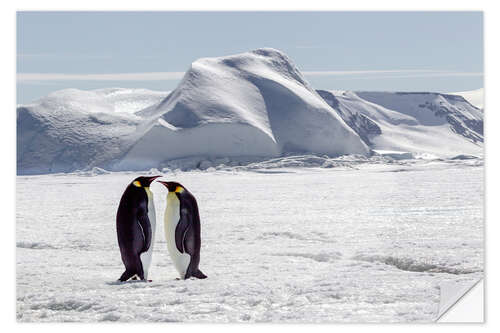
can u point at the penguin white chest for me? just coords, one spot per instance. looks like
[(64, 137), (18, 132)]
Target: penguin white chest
[(146, 257), (172, 216)]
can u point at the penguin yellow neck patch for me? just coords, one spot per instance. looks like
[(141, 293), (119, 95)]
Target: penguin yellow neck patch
[(179, 189), (137, 183)]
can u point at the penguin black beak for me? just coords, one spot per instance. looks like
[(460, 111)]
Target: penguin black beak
[(164, 183), (151, 179)]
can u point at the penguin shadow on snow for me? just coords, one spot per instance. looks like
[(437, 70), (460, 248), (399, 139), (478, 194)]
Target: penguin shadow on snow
[(128, 282)]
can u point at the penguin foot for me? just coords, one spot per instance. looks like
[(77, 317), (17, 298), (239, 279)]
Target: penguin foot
[(199, 275)]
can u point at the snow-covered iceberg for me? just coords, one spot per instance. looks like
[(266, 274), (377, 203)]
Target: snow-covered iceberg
[(251, 104), (421, 123), (74, 129)]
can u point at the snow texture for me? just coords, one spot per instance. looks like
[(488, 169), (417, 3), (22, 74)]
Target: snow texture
[(364, 240), (474, 97)]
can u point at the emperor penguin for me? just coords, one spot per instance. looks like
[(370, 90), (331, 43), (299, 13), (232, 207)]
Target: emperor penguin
[(182, 230), (136, 226)]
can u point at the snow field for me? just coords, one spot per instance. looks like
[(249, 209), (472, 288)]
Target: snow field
[(365, 244)]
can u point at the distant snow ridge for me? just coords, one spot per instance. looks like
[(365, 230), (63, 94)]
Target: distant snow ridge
[(440, 124), (474, 97), (74, 129), (464, 118), (251, 104), (360, 123)]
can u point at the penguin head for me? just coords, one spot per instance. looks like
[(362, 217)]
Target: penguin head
[(143, 181), (173, 187)]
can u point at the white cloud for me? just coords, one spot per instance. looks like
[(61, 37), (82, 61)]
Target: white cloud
[(153, 76), (164, 76), (398, 73)]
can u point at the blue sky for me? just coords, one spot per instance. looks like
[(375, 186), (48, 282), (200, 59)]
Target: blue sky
[(406, 51)]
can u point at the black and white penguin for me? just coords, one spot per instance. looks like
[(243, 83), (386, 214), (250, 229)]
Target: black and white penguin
[(182, 230), (136, 226)]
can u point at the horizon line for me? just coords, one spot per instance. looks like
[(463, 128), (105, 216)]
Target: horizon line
[(166, 76)]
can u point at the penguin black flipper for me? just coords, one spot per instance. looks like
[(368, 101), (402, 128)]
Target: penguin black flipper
[(145, 225), (191, 243), (192, 247), (182, 228)]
